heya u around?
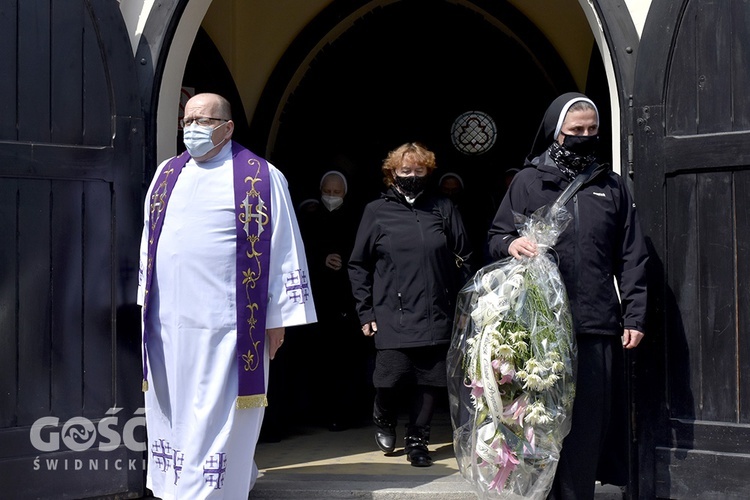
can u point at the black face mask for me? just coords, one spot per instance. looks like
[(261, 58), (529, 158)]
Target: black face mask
[(582, 145), (412, 185)]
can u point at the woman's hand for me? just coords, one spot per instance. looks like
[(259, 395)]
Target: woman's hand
[(523, 247), (370, 328)]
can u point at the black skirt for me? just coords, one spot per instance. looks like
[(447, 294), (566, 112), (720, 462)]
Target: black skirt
[(596, 447)]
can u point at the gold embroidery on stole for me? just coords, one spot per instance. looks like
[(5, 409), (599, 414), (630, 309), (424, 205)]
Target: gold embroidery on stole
[(255, 210)]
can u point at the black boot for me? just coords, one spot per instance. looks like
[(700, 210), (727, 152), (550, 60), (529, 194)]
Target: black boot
[(415, 446), (385, 435)]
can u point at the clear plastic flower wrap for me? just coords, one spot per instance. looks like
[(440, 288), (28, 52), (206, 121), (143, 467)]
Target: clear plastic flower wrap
[(511, 368)]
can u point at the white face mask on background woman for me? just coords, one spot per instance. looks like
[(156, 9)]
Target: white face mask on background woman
[(199, 139), (331, 202), (332, 190)]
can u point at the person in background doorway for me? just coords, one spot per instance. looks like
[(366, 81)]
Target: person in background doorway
[(341, 353), (452, 186), (410, 257), (222, 273), (308, 205), (602, 258)]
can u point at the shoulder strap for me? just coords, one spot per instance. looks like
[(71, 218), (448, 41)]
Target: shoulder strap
[(573, 187)]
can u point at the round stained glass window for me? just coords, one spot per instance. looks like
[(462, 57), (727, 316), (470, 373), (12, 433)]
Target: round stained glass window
[(474, 133)]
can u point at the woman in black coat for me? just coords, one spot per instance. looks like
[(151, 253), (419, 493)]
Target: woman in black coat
[(602, 259), (410, 258)]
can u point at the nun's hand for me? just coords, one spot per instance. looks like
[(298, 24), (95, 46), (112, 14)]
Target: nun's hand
[(333, 261), (631, 338), (523, 247)]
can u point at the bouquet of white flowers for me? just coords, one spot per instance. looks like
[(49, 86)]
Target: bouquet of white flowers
[(511, 368)]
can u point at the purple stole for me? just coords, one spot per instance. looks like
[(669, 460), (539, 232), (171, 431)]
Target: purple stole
[(252, 198)]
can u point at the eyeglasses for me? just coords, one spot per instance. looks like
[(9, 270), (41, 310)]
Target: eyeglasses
[(201, 120)]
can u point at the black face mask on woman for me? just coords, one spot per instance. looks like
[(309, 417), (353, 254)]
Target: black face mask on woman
[(412, 185)]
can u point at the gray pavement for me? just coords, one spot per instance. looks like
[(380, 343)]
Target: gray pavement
[(314, 463)]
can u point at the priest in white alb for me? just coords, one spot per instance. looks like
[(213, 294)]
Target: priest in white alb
[(222, 273)]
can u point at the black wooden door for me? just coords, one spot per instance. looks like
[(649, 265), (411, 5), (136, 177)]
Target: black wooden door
[(692, 185), (71, 175)]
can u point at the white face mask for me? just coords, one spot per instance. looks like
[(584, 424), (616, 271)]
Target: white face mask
[(197, 139), (331, 202)]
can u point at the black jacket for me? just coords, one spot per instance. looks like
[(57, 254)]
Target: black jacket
[(403, 269), (603, 241)]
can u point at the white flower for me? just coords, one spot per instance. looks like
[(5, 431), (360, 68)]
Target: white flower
[(505, 351), (537, 414), (533, 365), (534, 382), (550, 381)]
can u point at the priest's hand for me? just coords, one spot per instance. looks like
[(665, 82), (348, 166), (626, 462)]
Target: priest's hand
[(275, 339), (370, 328)]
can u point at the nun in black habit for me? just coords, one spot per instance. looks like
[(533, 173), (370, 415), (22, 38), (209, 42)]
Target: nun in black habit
[(601, 254)]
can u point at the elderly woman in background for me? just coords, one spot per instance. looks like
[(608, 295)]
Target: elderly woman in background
[(328, 230), (410, 258)]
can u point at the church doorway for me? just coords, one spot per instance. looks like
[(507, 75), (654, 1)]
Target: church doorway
[(359, 81)]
